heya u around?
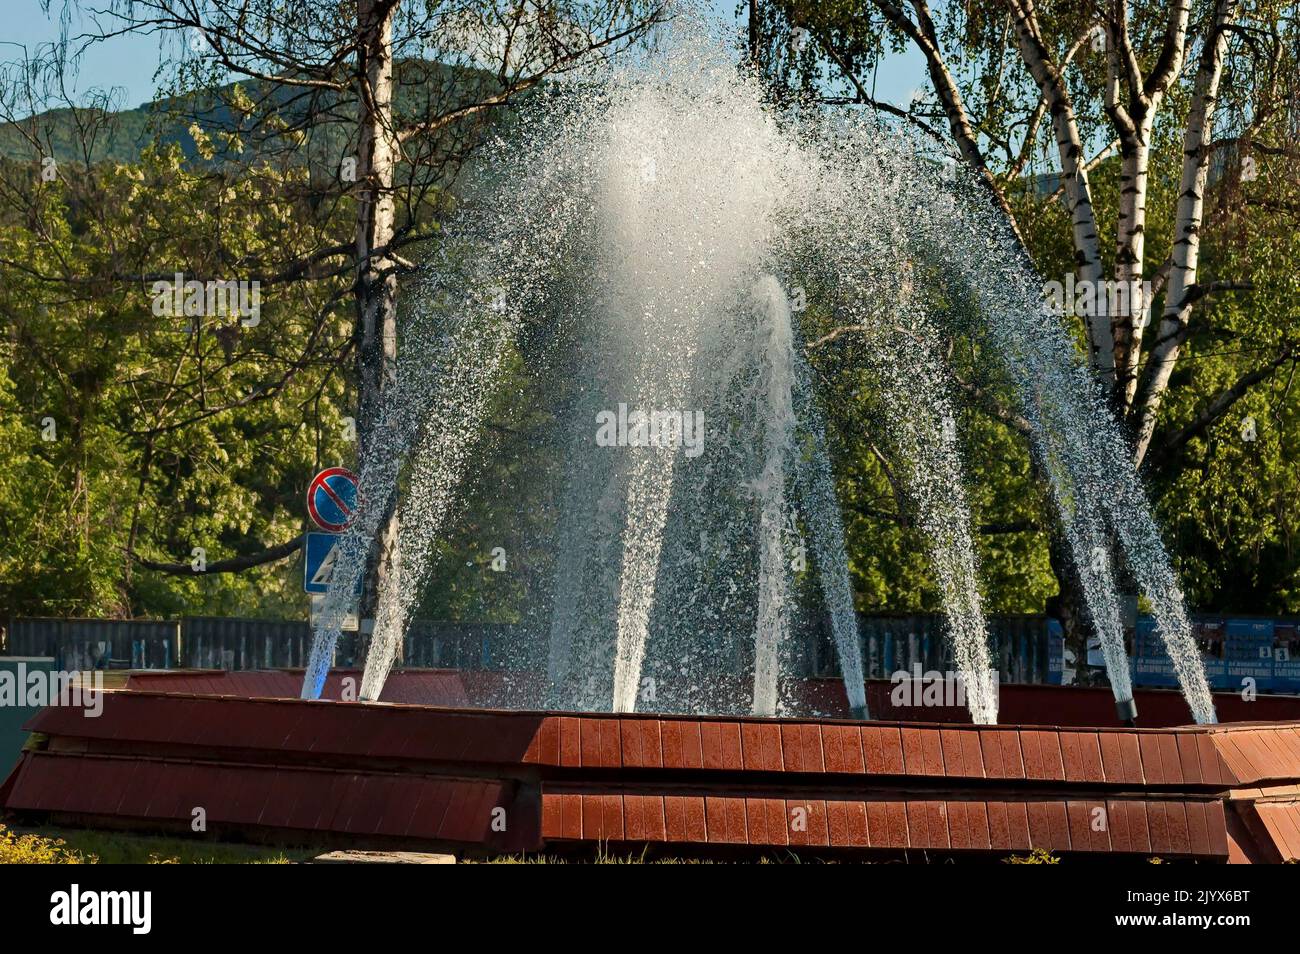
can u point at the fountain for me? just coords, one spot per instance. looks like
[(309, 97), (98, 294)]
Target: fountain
[(640, 267), (648, 243)]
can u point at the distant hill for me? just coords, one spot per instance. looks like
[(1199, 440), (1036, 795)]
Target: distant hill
[(127, 132)]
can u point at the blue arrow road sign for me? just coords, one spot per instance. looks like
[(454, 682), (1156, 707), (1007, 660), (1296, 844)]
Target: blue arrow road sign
[(321, 552)]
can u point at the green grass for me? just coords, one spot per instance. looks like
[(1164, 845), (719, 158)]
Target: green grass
[(604, 856), (93, 846)]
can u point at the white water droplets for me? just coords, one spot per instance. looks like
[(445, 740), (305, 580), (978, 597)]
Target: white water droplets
[(614, 245)]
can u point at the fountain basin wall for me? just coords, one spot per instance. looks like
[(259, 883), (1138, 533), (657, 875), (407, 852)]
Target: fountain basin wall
[(1018, 704), (383, 774)]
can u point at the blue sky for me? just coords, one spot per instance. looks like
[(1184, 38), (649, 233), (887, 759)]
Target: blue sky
[(127, 64)]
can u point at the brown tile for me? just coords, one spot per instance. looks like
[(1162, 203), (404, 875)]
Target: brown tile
[(760, 744), (629, 731), (938, 817), (725, 820), (887, 823), (1077, 818), (1279, 741), (1073, 757), (1282, 822), (1158, 825), (711, 745), (1050, 747), (977, 826), (675, 818), (1060, 825), (1236, 756), (593, 817), (958, 825), (1090, 757), (1098, 824), (591, 743), (1292, 737), (843, 746), (950, 751), (732, 759), (1293, 734), (611, 747), (991, 749), (1180, 842), (570, 742), (1130, 753), (1013, 759), (652, 816), (756, 823), (670, 743), (552, 817), (927, 826), (918, 824), (1198, 827), (1288, 818), (655, 829), (856, 835), (1089, 825), (545, 747), (796, 821), (1031, 751), (807, 821), (1139, 822), (837, 822), (1169, 759), (778, 823), (818, 832), (1216, 821), (914, 762), (571, 814), (970, 745), (1118, 827), (873, 756), (1271, 758), (684, 817), (814, 758), (882, 747), (792, 747), (651, 744), (634, 817), (1112, 762), (737, 824), (681, 745), (878, 825), (932, 752), (1285, 762), (1018, 826), (1152, 762), (613, 817), (999, 827), (1040, 825), (1189, 760)]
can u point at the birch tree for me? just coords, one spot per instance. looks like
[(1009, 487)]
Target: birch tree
[(387, 99), (1041, 97)]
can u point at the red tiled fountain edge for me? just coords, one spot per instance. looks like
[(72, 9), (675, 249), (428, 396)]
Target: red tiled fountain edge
[(511, 781)]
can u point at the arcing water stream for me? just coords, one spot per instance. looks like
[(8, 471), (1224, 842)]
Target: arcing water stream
[(668, 231)]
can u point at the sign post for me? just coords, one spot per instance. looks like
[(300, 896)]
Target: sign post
[(332, 498)]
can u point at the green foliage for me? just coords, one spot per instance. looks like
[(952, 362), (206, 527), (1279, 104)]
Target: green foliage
[(128, 431), (33, 849), (166, 438), (1039, 856)]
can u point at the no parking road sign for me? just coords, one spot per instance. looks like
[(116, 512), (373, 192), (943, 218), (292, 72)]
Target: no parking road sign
[(332, 498)]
